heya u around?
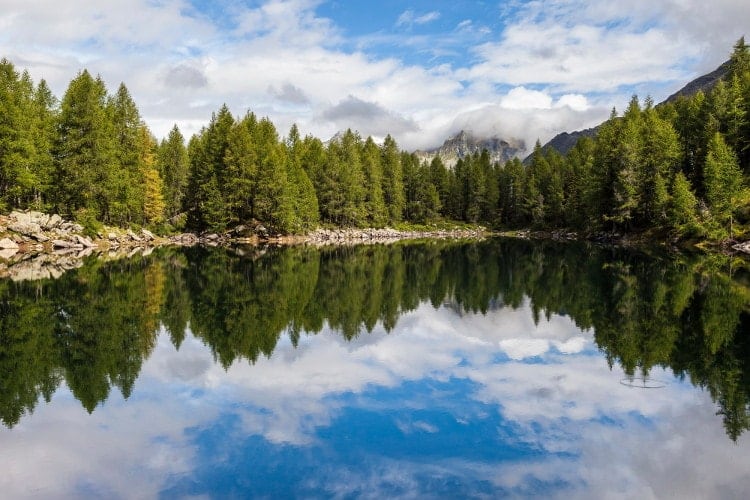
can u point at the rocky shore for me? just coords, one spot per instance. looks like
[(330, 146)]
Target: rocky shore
[(35, 245)]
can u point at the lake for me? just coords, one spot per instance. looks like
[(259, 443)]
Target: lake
[(437, 369)]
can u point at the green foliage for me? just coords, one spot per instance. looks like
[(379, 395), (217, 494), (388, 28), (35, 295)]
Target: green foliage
[(723, 182), (93, 152)]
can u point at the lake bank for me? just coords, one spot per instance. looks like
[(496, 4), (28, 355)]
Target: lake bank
[(35, 245)]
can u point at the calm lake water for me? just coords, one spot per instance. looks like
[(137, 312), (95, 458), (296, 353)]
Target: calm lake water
[(503, 368)]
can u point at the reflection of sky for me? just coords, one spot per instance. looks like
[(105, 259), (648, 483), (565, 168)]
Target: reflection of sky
[(444, 405)]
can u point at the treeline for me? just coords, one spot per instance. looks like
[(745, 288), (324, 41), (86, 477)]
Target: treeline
[(680, 168), (91, 156), (94, 327)]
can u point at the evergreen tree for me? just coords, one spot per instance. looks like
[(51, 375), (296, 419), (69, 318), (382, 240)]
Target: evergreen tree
[(208, 173), (393, 180), (723, 181), (304, 201), (273, 198), (377, 212), (172, 162), (85, 150), (682, 206), (127, 178), (241, 161)]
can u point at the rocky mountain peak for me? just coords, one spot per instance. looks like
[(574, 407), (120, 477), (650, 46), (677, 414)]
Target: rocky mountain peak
[(465, 143)]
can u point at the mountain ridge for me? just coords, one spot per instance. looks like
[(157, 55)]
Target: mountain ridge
[(465, 143)]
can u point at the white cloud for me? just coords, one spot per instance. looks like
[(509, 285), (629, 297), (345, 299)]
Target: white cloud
[(409, 18), (523, 98), (279, 58)]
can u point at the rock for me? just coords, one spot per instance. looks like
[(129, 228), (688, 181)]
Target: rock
[(82, 240), (7, 253), (743, 247), (40, 237), (8, 244), (64, 244), (133, 236), (211, 237), (111, 236), (25, 228), (148, 234), (53, 222)]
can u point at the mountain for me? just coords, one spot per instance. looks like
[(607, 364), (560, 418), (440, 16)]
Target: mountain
[(704, 83), (565, 141), (465, 144)]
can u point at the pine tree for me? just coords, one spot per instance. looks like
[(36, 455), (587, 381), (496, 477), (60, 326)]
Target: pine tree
[(273, 202), (682, 206), (172, 163), (208, 173), (241, 162), (44, 119), (377, 212), (393, 180), (660, 161), (127, 181), (723, 181), (304, 200), (85, 151)]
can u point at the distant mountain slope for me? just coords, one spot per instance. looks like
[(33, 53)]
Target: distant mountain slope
[(465, 144), (704, 83), (565, 141)]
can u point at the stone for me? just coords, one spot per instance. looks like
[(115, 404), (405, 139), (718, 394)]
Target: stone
[(82, 240), (8, 244), (743, 247), (112, 236), (63, 244), (53, 222), (7, 253), (134, 236), (148, 234), (25, 228), (40, 237)]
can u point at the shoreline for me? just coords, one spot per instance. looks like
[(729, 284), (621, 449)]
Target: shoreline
[(34, 245)]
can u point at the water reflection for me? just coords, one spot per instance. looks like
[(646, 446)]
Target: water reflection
[(481, 374)]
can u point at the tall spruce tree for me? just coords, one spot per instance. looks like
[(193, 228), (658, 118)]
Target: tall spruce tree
[(393, 180), (723, 182), (172, 162), (84, 150)]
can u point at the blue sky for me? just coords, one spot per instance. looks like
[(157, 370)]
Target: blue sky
[(419, 70)]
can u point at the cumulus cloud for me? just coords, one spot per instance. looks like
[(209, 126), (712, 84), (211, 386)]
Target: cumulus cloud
[(289, 93), (368, 118), (186, 76)]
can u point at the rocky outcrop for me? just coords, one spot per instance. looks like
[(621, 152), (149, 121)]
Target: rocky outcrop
[(34, 245), (742, 247), (466, 144)]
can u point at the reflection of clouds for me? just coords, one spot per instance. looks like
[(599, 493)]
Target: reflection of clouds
[(623, 441)]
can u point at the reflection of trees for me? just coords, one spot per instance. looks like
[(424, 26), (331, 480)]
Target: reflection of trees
[(94, 327)]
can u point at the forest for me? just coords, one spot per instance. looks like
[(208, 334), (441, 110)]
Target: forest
[(678, 170)]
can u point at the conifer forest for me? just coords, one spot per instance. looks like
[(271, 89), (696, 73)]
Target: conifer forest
[(678, 170)]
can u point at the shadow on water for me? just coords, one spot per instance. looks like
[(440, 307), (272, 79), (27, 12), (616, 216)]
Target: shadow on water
[(94, 327)]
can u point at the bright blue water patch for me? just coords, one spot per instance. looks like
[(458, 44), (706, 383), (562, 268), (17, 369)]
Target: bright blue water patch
[(425, 426)]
